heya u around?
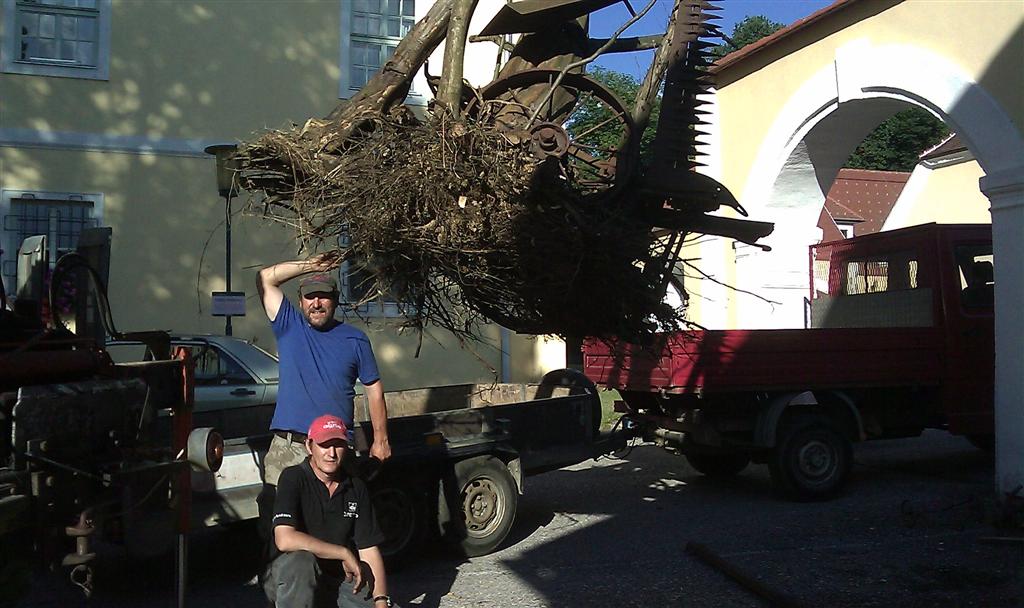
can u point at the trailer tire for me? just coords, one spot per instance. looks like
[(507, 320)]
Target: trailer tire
[(719, 466), (812, 458), (400, 513), (485, 500)]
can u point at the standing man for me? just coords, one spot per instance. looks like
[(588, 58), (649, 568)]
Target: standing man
[(325, 535), (320, 360)]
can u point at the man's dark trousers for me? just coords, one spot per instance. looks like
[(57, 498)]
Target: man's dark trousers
[(294, 580)]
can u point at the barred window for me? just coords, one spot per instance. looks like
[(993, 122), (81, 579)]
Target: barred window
[(61, 217)]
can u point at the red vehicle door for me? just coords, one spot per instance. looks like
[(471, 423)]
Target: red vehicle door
[(968, 302)]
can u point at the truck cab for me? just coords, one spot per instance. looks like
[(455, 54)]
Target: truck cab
[(937, 276)]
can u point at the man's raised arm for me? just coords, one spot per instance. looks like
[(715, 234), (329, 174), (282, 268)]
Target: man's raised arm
[(270, 279)]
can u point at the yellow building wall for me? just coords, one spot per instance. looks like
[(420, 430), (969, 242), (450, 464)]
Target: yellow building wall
[(752, 93), (194, 70), (184, 72), (948, 195)]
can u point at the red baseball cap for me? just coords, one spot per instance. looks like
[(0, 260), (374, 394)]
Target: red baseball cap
[(328, 427)]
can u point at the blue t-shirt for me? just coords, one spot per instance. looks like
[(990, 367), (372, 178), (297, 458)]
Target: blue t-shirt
[(318, 370)]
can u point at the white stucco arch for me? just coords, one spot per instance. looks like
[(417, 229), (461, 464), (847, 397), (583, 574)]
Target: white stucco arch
[(800, 156)]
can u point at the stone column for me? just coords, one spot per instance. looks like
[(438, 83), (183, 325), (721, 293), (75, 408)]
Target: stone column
[(1005, 191)]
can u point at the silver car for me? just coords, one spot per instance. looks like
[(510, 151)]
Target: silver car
[(235, 381)]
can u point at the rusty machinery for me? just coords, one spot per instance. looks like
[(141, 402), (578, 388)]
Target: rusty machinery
[(669, 193), (83, 455)]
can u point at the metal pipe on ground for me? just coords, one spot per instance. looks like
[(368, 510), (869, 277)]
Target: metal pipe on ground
[(775, 599)]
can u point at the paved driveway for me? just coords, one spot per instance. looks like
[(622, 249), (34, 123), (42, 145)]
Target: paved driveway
[(909, 531)]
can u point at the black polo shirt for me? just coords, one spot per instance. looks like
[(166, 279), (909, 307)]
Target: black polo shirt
[(343, 519)]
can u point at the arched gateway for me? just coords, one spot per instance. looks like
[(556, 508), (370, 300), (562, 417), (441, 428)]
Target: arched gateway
[(809, 94)]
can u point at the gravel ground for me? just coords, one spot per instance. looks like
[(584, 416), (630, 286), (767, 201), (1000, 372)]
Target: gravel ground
[(907, 532)]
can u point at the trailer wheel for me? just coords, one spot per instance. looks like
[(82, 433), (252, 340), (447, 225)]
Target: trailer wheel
[(718, 466), (399, 510), (487, 498), (812, 458)]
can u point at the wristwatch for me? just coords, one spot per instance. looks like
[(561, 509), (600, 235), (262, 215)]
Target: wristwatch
[(384, 598)]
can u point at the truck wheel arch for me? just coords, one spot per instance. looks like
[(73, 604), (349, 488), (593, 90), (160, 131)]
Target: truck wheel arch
[(836, 404)]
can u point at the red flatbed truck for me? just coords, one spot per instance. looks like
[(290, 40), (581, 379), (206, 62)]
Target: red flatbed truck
[(900, 338)]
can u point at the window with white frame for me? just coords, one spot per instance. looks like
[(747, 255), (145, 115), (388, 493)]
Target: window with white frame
[(68, 38), (372, 30), (59, 216)]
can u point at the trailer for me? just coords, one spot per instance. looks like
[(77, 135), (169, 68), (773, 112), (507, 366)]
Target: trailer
[(461, 456), (900, 339)]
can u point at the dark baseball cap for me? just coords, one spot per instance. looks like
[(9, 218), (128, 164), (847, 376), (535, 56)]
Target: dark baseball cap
[(320, 281)]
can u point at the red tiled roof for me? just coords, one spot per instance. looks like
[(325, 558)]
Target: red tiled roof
[(949, 145), (868, 195), (829, 230), (785, 32), (839, 211)]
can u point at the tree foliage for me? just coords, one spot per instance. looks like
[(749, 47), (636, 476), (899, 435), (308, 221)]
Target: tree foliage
[(749, 30), (896, 144), (595, 117)]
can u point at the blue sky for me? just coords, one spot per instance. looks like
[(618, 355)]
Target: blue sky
[(604, 23)]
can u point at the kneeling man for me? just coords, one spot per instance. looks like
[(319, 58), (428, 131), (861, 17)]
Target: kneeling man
[(323, 529)]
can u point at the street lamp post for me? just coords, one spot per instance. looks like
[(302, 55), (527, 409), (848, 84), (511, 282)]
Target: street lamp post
[(227, 186)]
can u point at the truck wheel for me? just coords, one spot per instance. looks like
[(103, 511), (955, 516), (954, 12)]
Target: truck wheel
[(812, 458), (719, 466), (399, 512), (486, 497)]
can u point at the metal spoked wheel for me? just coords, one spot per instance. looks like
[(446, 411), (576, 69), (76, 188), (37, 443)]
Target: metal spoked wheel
[(580, 127), (482, 506), (487, 498)]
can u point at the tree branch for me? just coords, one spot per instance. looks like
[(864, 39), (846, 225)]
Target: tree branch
[(449, 91)]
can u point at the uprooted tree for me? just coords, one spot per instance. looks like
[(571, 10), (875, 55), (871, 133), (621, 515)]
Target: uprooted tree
[(494, 204)]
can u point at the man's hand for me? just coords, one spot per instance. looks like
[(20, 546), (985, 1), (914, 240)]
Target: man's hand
[(353, 569), (381, 449)]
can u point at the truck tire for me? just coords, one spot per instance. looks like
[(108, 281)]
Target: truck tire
[(719, 466), (485, 505), (811, 459), (400, 513)]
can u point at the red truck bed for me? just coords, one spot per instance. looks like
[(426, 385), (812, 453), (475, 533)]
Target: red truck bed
[(738, 360)]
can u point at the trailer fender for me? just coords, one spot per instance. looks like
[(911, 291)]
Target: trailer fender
[(838, 404), (578, 384)]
